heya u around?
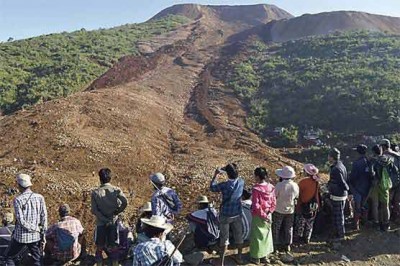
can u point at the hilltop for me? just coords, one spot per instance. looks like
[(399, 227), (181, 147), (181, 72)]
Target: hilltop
[(327, 23), (252, 15)]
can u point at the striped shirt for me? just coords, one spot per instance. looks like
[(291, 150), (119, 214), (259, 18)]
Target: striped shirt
[(31, 217)]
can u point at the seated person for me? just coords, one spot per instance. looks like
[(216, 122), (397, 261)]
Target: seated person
[(199, 224), (157, 248), (62, 238), (145, 212)]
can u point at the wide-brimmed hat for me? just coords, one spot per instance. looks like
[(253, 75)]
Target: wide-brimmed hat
[(286, 172), (24, 180), (158, 222), (146, 207), (202, 199), (157, 178), (312, 170)]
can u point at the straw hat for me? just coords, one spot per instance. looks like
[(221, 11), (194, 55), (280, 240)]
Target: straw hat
[(202, 199), (158, 222), (286, 172)]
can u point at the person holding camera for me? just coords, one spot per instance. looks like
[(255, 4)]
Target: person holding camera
[(231, 208), (31, 223)]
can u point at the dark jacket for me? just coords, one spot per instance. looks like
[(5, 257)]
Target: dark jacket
[(337, 184), (360, 177)]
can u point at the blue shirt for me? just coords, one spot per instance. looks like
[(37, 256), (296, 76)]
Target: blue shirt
[(232, 191)]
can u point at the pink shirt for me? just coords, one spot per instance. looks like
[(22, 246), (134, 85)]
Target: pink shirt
[(263, 200)]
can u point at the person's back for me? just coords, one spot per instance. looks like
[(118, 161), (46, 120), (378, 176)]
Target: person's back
[(286, 193), (107, 202), (64, 238), (202, 223), (338, 182), (164, 201), (360, 176)]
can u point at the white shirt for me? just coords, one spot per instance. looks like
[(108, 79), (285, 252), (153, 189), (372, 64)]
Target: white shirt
[(286, 192)]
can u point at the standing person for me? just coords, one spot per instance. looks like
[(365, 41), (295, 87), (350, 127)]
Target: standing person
[(231, 208), (286, 191), (107, 202), (263, 205), (308, 204), (394, 172), (165, 201), (62, 237), (360, 184), (246, 214), (338, 190), (31, 223), (157, 248), (380, 194)]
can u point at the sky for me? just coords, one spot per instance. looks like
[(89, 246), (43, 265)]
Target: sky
[(27, 18)]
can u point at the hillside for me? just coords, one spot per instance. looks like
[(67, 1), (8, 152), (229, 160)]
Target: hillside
[(252, 15), (160, 111), (328, 22), (183, 98), (346, 83), (56, 65)]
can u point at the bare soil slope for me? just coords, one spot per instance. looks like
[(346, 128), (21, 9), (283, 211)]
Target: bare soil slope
[(162, 111), (329, 22)]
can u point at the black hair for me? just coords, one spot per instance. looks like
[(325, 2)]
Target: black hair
[(151, 231), (231, 171), (203, 206), (376, 149), (261, 173), (335, 154), (246, 194), (105, 175), (146, 214)]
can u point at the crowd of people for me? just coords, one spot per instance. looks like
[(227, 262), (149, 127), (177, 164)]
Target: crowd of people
[(267, 217)]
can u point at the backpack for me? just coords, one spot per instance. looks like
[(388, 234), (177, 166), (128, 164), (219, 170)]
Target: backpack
[(213, 224), (169, 201), (386, 181), (65, 239)]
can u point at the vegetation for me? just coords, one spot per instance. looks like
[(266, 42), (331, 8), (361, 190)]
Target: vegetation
[(344, 82), (56, 65)]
